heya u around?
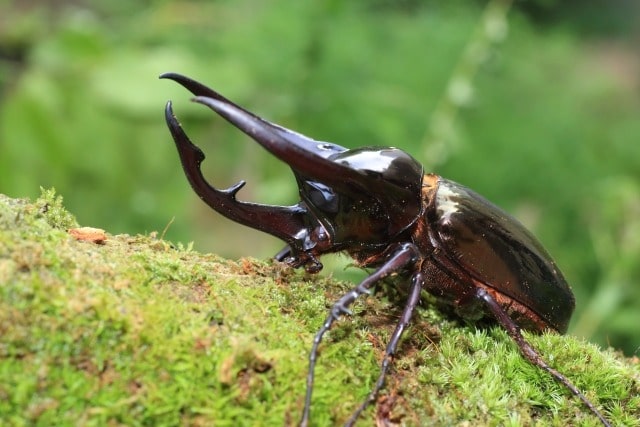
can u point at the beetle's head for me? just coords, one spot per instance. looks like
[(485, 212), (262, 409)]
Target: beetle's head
[(350, 199)]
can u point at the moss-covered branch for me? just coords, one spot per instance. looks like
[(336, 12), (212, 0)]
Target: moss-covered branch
[(136, 331)]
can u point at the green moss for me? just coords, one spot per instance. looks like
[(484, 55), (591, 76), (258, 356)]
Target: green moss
[(137, 331)]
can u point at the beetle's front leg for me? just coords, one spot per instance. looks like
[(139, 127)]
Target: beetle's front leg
[(283, 254), (306, 259), (404, 256)]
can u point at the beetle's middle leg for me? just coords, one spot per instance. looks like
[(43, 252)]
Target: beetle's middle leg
[(417, 280), (404, 256)]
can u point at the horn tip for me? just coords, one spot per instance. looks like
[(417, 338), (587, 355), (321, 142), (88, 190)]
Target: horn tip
[(173, 76)]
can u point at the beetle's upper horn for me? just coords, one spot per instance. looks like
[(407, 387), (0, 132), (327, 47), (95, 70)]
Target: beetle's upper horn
[(303, 154), (313, 159)]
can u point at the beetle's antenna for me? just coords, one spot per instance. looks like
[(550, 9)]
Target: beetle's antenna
[(530, 353), (401, 257)]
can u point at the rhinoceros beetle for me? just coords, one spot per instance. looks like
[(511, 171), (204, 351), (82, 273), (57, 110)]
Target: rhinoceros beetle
[(378, 205)]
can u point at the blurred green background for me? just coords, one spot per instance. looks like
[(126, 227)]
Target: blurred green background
[(534, 104)]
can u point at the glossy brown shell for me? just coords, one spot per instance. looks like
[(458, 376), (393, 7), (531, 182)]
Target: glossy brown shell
[(496, 250)]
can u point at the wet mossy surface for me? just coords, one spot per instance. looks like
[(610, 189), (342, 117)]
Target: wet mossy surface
[(135, 330)]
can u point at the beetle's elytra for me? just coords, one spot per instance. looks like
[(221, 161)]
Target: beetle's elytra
[(378, 205)]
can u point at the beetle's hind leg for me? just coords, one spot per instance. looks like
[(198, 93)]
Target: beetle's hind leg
[(399, 259), (530, 353)]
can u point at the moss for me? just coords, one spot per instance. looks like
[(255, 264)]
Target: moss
[(139, 331)]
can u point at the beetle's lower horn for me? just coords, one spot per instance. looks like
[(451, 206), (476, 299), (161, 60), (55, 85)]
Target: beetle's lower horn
[(284, 222)]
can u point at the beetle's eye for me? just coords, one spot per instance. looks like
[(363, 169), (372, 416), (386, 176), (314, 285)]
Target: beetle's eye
[(321, 196)]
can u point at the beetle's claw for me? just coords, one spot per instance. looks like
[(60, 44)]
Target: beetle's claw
[(307, 260)]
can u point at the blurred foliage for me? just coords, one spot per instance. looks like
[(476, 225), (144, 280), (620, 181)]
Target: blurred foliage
[(537, 111)]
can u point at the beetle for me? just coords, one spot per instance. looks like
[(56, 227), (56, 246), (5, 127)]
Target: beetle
[(378, 205)]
